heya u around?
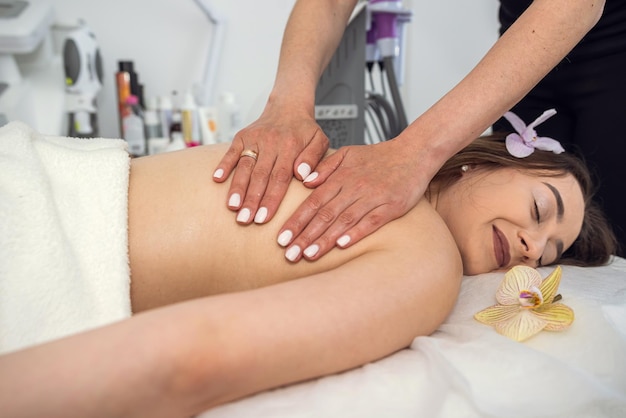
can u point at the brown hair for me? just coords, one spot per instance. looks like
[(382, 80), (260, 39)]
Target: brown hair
[(596, 242)]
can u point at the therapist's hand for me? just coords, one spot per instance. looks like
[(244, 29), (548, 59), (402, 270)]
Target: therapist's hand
[(358, 189), (287, 142)]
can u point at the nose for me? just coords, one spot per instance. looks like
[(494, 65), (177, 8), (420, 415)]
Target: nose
[(532, 246)]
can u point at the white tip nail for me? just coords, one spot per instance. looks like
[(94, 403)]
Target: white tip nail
[(311, 177), (343, 241), (285, 238), (261, 216), (311, 250), (304, 170), (292, 253), (219, 173), (243, 215), (234, 201)]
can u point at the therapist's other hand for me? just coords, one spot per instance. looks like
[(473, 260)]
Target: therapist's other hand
[(287, 142), (358, 189)]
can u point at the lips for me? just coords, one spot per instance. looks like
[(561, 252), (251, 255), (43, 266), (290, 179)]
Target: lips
[(501, 248)]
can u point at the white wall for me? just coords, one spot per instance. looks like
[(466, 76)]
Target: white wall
[(168, 41), (446, 39)]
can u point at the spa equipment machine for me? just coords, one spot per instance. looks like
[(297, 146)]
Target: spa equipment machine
[(348, 109), (28, 65), (83, 79)]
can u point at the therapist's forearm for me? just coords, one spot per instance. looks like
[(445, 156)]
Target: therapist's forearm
[(533, 45), (313, 32)]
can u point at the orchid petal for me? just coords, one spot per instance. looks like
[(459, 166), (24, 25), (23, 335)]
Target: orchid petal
[(550, 285), (526, 304), (529, 137), (542, 118), (523, 143), (521, 326), (515, 280), (516, 122), (497, 313), (517, 147), (556, 315), (548, 144)]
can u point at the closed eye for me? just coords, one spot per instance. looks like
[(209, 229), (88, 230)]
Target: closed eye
[(537, 216)]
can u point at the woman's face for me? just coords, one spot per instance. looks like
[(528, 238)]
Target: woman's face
[(506, 217)]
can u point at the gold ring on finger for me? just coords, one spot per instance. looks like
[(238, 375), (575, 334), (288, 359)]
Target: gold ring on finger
[(249, 153)]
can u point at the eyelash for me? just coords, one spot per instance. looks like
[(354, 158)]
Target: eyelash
[(538, 218)]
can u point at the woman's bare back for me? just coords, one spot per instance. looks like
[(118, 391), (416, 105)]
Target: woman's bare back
[(184, 243)]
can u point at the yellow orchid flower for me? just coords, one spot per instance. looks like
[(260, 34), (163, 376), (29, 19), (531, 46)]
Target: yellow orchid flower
[(526, 305)]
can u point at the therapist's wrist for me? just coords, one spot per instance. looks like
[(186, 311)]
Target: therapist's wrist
[(427, 153), (290, 104)]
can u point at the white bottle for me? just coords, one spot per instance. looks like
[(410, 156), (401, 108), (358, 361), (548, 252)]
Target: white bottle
[(157, 142), (134, 132), (134, 135), (165, 114), (176, 134), (229, 118), (190, 123), (208, 124), (152, 124)]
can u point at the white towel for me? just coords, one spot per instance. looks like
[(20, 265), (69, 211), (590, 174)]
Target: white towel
[(63, 235)]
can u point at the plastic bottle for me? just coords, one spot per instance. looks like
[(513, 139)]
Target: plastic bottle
[(176, 134), (157, 142), (134, 132), (229, 118), (208, 124), (122, 83), (165, 114), (190, 123), (176, 130), (152, 103), (152, 124)]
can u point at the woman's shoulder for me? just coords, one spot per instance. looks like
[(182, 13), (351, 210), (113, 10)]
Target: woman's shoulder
[(424, 235)]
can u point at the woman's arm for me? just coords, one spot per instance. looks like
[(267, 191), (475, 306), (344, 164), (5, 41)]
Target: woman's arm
[(185, 358), (361, 188), (286, 134)]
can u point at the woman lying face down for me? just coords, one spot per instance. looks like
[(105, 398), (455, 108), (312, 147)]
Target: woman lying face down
[(499, 210), (235, 317)]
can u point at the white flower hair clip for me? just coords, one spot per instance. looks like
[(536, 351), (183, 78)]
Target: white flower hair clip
[(524, 142)]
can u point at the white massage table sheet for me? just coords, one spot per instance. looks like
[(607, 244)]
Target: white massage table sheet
[(466, 369)]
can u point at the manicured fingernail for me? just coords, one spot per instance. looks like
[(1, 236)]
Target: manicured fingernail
[(311, 250), (243, 215), (234, 201), (292, 253), (219, 173), (304, 170), (261, 216), (285, 238), (343, 241), (311, 177)]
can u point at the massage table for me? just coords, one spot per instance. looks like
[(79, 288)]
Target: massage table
[(466, 369)]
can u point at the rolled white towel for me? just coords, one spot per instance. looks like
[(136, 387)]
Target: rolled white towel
[(63, 235)]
